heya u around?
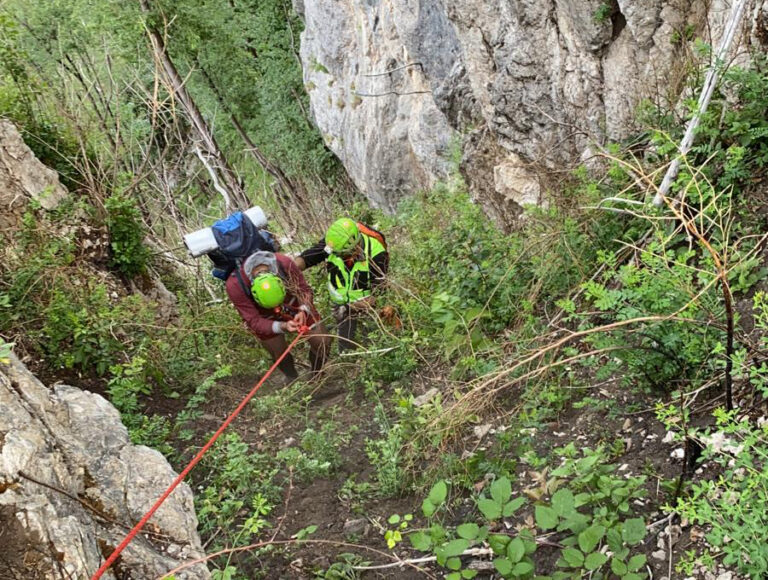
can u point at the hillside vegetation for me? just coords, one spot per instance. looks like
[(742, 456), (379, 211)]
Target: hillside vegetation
[(581, 397)]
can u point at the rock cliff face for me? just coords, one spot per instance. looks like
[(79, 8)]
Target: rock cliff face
[(528, 84), (70, 481), (23, 177)]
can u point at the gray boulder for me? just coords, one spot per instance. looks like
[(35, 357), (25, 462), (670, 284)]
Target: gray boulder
[(72, 484), (23, 177)]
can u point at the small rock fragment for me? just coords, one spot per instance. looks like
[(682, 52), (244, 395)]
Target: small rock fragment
[(321, 562), (482, 565), (481, 431), (422, 400), (356, 527), (674, 533)]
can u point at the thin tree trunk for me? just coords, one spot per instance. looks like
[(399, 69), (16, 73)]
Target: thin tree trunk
[(228, 177), (287, 191), (70, 66), (729, 318), (216, 184), (288, 195)]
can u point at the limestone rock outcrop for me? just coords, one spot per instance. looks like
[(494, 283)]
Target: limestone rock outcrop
[(400, 89), (23, 178), (70, 483)]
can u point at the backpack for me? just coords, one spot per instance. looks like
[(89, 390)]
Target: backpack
[(237, 238), (371, 233)]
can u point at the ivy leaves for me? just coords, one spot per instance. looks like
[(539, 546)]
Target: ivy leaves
[(584, 516), (435, 499), (499, 505), (514, 554)]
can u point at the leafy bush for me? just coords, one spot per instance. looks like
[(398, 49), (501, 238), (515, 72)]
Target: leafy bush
[(5, 351), (663, 354), (385, 454), (234, 476), (733, 506), (324, 444), (128, 381), (473, 282), (126, 234), (191, 410), (587, 511), (46, 132), (404, 437), (318, 455), (154, 431), (81, 326)]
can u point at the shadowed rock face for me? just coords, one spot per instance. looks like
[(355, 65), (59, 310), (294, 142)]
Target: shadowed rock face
[(532, 81), (73, 441)]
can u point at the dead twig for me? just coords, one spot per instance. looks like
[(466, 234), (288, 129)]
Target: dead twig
[(424, 560), (285, 505), (257, 545)]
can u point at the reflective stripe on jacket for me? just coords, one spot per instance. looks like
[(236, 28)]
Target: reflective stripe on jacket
[(347, 284)]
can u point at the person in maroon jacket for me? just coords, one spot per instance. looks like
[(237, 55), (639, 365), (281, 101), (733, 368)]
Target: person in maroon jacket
[(270, 325)]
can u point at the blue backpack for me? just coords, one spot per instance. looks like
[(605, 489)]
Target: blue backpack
[(237, 238)]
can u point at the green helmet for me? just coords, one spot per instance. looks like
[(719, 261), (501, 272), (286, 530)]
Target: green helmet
[(342, 236), (268, 290)]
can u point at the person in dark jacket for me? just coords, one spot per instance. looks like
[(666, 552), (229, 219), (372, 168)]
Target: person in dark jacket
[(273, 298), (357, 261)]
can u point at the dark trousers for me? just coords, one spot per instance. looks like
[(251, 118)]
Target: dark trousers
[(319, 345), (346, 327)]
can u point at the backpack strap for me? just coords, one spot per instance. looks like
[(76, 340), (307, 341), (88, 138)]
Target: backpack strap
[(243, 285), (371, 233)]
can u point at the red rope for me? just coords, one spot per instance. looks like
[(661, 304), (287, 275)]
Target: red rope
[(188, 468)]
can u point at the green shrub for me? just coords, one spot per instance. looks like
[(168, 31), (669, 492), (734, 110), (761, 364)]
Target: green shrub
[(385, 454), (317, 454), (83, 326), (603, 12), (589, 511), (5, 351), (233, 477), (664, 354), (126, 235), (733, 505), (153, 431), (128, 381), (324, 444), (466, 281)]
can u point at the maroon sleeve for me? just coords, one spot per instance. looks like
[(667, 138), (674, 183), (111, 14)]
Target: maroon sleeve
[(296, 280), (256, 322)]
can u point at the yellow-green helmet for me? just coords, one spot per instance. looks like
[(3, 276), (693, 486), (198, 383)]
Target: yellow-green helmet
[(268, 290), (342, 236)]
